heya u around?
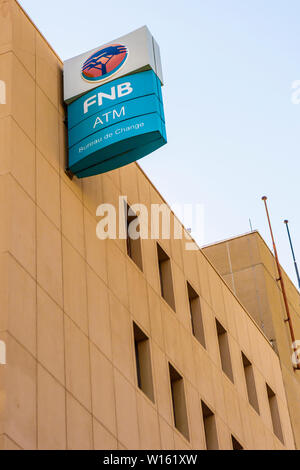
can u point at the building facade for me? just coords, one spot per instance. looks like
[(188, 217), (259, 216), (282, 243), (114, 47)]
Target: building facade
[(249, 268), (110, 345)]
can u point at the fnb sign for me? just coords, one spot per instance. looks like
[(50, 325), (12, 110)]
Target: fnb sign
[(115, 105)]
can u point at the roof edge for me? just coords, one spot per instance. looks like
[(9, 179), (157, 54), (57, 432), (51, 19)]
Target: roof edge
[(37, 29)]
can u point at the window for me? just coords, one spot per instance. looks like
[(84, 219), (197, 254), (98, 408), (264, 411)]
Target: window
[(143, 362), (250, 383), (165, 274), (235, 444), (224, 350), (178, 402), (210, 428), (196, 315), (134, 248), (274, 413)]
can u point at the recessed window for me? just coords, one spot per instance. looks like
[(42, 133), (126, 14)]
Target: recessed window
[(165, 274), (235, 444), (274, 413), (143, 362), (133, 240), (210, 428), (196, 315), (178, 402), (224, 350), (250, 383)]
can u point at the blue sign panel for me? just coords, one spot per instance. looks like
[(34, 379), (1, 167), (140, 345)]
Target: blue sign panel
[(116, 124)]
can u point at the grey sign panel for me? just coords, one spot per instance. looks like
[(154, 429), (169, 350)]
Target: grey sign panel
[(143, 54)]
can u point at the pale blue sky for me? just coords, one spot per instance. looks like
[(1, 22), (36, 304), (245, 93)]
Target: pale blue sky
[(233, 133)]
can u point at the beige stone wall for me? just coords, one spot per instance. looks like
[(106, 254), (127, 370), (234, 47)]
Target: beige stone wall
[(249, 267), (68, 300)]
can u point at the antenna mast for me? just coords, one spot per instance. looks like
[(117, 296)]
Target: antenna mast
[(293, 253), (280, 278)]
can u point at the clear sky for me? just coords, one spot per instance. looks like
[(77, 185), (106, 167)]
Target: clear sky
[(233, 132)]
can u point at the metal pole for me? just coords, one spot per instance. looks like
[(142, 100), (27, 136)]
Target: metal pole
[(287, 309), (293, 253)]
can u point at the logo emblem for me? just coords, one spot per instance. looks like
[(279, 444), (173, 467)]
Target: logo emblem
[(104, 63)]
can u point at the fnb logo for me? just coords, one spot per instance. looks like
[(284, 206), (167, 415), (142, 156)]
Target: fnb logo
[(104, 63)]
